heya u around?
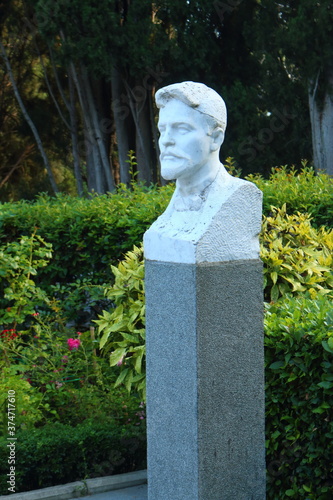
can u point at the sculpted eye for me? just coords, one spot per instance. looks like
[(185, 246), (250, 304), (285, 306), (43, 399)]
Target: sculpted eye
[(183, 129)]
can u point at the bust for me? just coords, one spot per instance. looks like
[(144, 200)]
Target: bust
[(212, 216)]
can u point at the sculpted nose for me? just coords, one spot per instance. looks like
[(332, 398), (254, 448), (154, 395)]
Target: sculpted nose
[(166, 138)]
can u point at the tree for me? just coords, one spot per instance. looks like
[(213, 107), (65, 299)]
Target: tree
[(100, 63), (18, 91), (298, 34), (26, 115)]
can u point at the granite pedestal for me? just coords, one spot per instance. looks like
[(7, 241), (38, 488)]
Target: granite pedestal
[(205, 381)]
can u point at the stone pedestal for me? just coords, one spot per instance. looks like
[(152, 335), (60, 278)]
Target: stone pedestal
[(205, 380)]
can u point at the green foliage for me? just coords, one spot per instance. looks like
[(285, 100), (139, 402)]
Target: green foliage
[(56, 372), (19, 262), (86, 235), (59, 374), (59, 453), (27, 400), (231, 167), (123, 329), (299, 397), (300, 191), (297, 257)]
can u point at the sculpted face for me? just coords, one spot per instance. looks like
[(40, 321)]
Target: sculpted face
[(184, 141)]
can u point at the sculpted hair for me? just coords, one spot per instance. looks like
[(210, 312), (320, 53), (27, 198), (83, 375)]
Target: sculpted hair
[(199, 97)]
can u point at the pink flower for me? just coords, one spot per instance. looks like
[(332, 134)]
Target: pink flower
[(120, 362), (73, 344)]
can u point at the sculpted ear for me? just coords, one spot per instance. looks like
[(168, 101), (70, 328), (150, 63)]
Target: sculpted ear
[(217, 138)]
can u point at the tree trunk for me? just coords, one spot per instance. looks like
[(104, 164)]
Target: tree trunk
[(98, 135), (321, 117), (139, 105), (157, 164), (144, 147), (93, 172), (74, 135), (98, 165), (124, 125), (29, 121)]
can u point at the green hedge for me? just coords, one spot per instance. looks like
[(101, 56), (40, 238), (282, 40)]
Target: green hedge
[(299, 398), (301, 191), (86, 234), (58, 453)]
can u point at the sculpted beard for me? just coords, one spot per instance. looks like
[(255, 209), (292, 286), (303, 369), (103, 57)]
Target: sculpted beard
[(174, 164)]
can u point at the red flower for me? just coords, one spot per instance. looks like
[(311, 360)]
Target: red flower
[(8, 334), (73, 344)]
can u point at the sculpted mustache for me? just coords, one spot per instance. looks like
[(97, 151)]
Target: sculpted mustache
[(181, 156)]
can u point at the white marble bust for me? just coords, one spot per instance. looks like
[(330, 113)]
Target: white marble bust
[(212, 216)]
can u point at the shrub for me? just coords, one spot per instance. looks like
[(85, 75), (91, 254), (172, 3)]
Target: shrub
[(89, 234), (86, 234), (58, 375), (59, 453), (122, 330), (297, 257), (301, 191), (27, 402), (299, 398), (19, 262)]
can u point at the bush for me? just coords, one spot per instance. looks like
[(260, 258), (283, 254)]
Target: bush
[(59, 453), (300, 191), (123, 329), (299, 398), (297, 257), (19, 262), (58, 375), (27, 401), (86, 235)]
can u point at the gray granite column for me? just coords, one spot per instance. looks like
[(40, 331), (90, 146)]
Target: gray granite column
[(205, 381)]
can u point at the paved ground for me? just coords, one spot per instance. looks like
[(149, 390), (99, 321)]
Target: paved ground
[(133, 493)]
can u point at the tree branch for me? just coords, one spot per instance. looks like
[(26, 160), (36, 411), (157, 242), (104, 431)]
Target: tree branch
[(28, 119), (17, 165)]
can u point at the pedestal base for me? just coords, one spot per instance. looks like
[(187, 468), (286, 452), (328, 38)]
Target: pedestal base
[(205, 381)]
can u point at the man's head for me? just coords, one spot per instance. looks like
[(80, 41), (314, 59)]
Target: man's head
[(192, 123), (199, 97)]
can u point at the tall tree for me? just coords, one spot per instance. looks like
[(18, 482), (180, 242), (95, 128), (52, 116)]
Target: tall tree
[(298, 35), (106, 59), (26, 115), (18, 96)]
